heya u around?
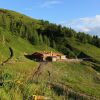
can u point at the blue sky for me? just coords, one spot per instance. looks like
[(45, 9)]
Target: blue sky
[(82, 15)]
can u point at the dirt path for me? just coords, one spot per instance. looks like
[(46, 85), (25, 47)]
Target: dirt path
[(11, 55), (39, 70)]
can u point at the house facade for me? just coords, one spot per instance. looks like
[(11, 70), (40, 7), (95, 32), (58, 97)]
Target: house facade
[(48, 56)]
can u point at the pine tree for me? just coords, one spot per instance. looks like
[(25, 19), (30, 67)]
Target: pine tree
[(35, 38), (48, 42), (40, 39), (54, 44), (45, 39)]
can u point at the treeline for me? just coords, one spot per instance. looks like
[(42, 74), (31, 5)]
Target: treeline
[(40, 32), (57, 32), (86, 38)]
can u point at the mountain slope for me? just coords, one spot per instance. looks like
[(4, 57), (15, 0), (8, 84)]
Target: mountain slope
[(88, 49), (39, 32), (20, 78)]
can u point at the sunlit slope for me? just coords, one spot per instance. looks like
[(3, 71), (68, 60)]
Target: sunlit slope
[(92, 51)]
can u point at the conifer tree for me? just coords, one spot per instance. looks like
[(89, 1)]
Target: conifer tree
[(40, 39)]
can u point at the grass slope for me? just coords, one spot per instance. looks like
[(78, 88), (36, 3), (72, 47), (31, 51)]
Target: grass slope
[(86, 48), (80, 77), (20, 46), (19, 83), (17, 74)]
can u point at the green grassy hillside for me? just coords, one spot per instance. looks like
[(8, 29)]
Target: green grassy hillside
[(20, 82), (20, 78), (19, 45), (88, 49)]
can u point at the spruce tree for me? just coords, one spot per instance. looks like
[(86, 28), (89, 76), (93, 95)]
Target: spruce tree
[(40, 39)]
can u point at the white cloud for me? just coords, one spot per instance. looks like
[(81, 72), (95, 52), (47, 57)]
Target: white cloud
[(28, 9), (89, 25), (49, 3), (91, 20), (85, 29)]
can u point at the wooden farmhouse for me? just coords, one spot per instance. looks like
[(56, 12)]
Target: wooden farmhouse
[(48, 56)]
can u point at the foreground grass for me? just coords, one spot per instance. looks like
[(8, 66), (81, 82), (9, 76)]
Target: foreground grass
[(20, 85), (79, 77)]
